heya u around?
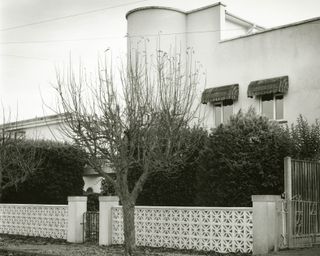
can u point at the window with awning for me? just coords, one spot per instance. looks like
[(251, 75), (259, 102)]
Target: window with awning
[(221, 99), (270, 93), (268, 86), (217, 94)]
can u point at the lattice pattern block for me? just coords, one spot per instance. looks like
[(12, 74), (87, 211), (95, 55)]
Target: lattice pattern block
[(209, 229), (34, 220)]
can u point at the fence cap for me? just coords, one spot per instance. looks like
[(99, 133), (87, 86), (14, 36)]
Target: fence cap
[(266, 198), (77, 199), (108, 199)]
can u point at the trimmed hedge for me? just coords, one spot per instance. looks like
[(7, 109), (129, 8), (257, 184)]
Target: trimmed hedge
[(58, 175)]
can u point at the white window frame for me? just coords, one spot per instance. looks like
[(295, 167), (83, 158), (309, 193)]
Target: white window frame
[(214, 112), (274, 107)]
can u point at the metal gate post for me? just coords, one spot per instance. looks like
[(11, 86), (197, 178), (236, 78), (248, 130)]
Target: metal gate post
[(84, 224)]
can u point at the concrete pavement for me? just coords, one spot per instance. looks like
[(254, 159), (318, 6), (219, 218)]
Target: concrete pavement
[(312, 251)]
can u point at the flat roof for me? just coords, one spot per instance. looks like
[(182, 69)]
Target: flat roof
[(233, 16), (34, 122), (298, 23)]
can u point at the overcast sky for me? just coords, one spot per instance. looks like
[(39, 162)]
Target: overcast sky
[(36, 36)]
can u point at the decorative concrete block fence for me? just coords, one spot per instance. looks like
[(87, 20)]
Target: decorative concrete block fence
[(55, 221), (34, 220), (223, 229), (204, 228)]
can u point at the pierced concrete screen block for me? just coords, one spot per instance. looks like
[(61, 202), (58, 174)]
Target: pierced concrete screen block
[(209, 229), (34, 220)]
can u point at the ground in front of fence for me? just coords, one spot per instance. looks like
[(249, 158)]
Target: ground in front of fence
[(15, 245)]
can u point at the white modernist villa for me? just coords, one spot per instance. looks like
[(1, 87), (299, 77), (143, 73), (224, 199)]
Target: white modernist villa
[(277, 70)]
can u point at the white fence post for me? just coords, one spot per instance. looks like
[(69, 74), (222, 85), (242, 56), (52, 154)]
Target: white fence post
[(77, 206), (265, 223), (105, 218)]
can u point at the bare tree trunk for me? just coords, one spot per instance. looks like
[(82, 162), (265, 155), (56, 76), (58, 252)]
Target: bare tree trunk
[(129, 229), (1, 188)]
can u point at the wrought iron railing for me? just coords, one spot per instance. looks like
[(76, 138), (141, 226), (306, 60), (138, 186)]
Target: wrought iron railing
[(304, 229), (91, 226)]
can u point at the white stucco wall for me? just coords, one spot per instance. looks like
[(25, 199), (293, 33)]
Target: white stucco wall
[(156, 28), (93, 182), (287, 51), (232, 29), (46, 132)]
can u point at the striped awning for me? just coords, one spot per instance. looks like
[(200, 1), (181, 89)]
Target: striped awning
[(227, 92), (268, 86)]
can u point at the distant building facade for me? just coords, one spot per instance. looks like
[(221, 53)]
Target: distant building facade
[(276, 71)]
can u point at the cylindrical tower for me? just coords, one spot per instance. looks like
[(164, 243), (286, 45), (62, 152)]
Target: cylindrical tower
[(156, 28)]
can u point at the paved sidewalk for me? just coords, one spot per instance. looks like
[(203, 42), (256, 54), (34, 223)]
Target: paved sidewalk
[(313, 251), (11, 245)]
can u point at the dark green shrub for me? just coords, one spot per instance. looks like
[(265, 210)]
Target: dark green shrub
[(237, 160), (242, 158), (58, 176), (93, 201), (106, 188), (305, 139)]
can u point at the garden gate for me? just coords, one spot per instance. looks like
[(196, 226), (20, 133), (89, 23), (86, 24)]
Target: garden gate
[(302, 199), (91, 226)]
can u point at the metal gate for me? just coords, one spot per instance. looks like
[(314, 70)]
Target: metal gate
[(302, 198), (91, 226)]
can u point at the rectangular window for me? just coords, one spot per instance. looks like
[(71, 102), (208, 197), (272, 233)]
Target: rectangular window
[(217, 114), (272, 106), (222, 112), (227, 110), (279, 107), (267, 105)]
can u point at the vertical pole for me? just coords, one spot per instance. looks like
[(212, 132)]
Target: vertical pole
[(84, 227), (77, 206), (288, 198), (105, 218), (287, 178)]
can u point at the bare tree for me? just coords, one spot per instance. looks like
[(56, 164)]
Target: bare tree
[(16, 163), (139, 123)]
